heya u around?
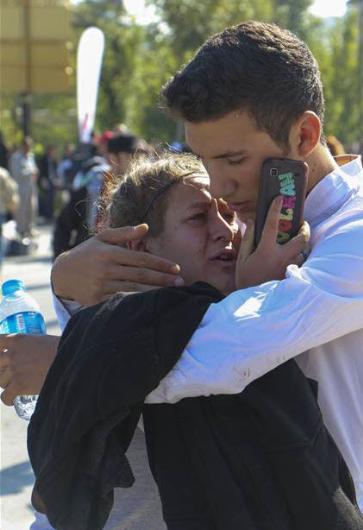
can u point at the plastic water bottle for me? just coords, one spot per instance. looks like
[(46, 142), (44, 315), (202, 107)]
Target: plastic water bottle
[(19, 313)]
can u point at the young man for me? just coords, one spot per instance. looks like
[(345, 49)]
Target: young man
[(252, 92)]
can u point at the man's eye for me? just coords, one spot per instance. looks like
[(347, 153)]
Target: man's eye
[(235, 162), (198, 216)]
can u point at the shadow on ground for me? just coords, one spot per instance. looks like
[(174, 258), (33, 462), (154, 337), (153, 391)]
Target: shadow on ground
[(14, 479)]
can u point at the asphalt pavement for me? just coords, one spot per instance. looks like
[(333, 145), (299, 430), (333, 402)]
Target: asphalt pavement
[(16, 476)]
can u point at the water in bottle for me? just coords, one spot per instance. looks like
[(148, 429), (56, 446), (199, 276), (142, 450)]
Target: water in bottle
[(19, 313)]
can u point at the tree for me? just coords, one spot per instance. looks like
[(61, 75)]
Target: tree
[(190, 23), (336, 49), (293, 14), (139, 59)]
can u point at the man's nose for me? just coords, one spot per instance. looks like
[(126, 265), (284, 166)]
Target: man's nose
[(220, 185)]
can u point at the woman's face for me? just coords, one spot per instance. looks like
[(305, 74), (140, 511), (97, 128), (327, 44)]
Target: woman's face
[(200, 234)]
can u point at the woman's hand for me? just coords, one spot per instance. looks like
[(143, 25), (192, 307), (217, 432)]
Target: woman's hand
[(102, 266), (24, 363), (270, 259)]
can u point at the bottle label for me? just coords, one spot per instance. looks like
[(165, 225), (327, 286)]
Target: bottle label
[(29, 322)]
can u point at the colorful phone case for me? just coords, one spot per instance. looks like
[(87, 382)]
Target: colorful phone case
[(288, 178)]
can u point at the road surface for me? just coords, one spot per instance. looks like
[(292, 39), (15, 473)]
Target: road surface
[(16, 476)]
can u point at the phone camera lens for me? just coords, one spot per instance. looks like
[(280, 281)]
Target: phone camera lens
[(274, 172)]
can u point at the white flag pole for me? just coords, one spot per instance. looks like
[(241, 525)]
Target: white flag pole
[(89, 61)]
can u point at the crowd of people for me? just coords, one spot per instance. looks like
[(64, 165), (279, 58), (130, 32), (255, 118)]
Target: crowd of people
[(34, 182), (61, 191), (225, 391)]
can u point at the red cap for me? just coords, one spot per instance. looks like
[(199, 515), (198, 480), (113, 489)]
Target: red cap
[(105, 137)]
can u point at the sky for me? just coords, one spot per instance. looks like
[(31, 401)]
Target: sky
[(321, 8), (328, 8)]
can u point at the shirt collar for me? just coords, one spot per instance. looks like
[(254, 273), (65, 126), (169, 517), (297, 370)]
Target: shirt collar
[(334, 190)]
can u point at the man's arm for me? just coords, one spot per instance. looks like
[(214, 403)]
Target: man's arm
[(101, 266), (252, 331)]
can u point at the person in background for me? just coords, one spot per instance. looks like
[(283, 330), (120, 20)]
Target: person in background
[(121, 149), (48, 182), (102, 141), (65, 169), (9, 200), (79, 218), (24, 171), (76, 221), (4, 153)]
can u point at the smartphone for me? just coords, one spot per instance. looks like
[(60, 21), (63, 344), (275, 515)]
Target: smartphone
[(288, 178)]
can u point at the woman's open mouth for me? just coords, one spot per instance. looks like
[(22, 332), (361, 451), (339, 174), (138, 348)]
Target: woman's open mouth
[(225, 256)]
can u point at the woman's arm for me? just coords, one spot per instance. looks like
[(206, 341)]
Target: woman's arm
[(24, 363)]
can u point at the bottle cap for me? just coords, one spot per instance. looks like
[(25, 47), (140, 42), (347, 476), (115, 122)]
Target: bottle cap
[(10, 286)]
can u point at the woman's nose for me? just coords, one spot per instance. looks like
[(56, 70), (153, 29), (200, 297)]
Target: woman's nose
[(221, 228)]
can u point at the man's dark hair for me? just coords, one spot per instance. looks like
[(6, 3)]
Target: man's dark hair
[(122, 143), (254, 67)]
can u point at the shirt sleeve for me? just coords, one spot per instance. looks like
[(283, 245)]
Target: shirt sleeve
[(64, 309), (254, 330)]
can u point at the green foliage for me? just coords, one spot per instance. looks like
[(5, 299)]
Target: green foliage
[(191, 22), (139, 59), (336, 49), (293, 14)]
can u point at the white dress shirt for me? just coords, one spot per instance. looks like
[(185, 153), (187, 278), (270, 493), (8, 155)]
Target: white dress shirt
[(315, 314)]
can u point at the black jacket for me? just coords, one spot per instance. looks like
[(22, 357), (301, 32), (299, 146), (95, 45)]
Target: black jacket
[(109, 358), (261, 460)]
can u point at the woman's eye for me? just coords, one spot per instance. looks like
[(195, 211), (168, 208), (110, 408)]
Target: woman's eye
[(229, 217)]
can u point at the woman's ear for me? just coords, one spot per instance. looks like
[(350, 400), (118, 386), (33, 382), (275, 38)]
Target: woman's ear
[(305, 135), (137, 244)]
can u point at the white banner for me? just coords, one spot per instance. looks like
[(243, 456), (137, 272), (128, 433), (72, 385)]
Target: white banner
[(89, 61)]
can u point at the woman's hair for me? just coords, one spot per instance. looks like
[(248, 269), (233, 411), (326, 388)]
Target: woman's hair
[(142, 196)]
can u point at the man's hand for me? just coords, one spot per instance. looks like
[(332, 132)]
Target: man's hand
[(24, 363), (101, 267), (270, 259)]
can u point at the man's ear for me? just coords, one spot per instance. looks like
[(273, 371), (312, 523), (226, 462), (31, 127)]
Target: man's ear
[(305, 135), (137, 244)]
